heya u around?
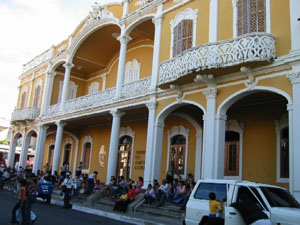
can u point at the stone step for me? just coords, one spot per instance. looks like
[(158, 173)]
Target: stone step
[(163, 211)]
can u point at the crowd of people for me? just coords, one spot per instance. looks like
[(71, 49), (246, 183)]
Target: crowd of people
[(123, 191)]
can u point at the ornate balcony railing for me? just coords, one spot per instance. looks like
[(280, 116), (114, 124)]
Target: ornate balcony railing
[(134, 89), (30, 113), (251, 47)]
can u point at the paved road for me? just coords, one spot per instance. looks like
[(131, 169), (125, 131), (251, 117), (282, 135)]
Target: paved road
[(51, 214)]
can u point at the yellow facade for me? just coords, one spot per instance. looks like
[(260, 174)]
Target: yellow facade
[(253, 93)]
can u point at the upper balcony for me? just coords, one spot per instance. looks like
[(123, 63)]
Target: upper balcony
[(222, 57), (135, 90), (30, 113)]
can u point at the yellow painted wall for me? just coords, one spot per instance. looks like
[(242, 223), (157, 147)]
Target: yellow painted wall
[(117, 10), (133, 7), (225, 20), (170, 122), (280, 26)]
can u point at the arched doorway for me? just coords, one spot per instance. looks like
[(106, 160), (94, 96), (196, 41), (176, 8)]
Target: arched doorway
[(124, 157), (258, 111), (50, 156), (67, 153), (177, 153)]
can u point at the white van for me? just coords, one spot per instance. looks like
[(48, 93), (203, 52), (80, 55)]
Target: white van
[(276, 202)]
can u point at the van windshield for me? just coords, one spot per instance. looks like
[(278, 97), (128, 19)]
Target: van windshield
[(278, 197)]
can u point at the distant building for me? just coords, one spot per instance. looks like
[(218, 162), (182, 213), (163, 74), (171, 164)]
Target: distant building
[(142, 87)]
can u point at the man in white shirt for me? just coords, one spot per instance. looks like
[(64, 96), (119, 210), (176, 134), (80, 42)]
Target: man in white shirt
[(162, 193), (67, 186)]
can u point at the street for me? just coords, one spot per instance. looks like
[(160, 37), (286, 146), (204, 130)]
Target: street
[(50, 214)]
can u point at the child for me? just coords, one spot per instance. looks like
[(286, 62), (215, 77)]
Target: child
[(214, 206)]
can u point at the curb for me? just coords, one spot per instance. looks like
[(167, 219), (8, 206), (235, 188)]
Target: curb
[(114, 216)]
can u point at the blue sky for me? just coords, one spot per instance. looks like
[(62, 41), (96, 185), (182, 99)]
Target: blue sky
[(28, 28)]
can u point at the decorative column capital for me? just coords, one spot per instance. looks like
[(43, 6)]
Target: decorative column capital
[(289, 107), (221, 117), (68, 65), (116, 113), (294, 77), (43, 126), (160, 124), (60, 123), (210, 93), (157, 20), (124, 39), (151, 105), (50, 74)]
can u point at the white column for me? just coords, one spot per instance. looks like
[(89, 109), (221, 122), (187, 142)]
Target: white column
[(213, 20), (295, 24), (24, 150), (198, 158), (40, 148), (220, 145), (103, 76), (30, 93), (208, 157), (58, 140), (157, 150), (12, 151), (235, 16), (149, 145), (47, 93), (124, 39), (291, 148), (76, 158), (157, 20), (294, 134), (114, 144), (125, 8), (68, 66)]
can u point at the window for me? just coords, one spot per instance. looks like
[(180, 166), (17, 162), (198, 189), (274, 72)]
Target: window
[(132, 71), (183, 31), (71, 93), (94, 88), (23, 100), (67, 153), (251, 16), (205, 188), (37, 94), (86, 156), (183, 37)]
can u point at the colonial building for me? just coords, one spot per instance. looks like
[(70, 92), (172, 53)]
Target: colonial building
[(208, 87)]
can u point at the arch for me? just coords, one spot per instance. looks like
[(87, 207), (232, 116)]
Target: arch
[(57, 64), (166, 111), (225, 105), (138, 22), (199, 143), (86, 32)]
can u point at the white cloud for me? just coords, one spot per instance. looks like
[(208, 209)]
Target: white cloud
[(28, 28)]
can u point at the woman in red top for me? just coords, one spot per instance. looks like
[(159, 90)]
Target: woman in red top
[(21, 204)]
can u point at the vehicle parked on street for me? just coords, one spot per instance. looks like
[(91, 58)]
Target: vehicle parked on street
[(280, 206)]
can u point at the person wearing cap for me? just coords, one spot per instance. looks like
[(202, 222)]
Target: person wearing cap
[(67, 186)]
